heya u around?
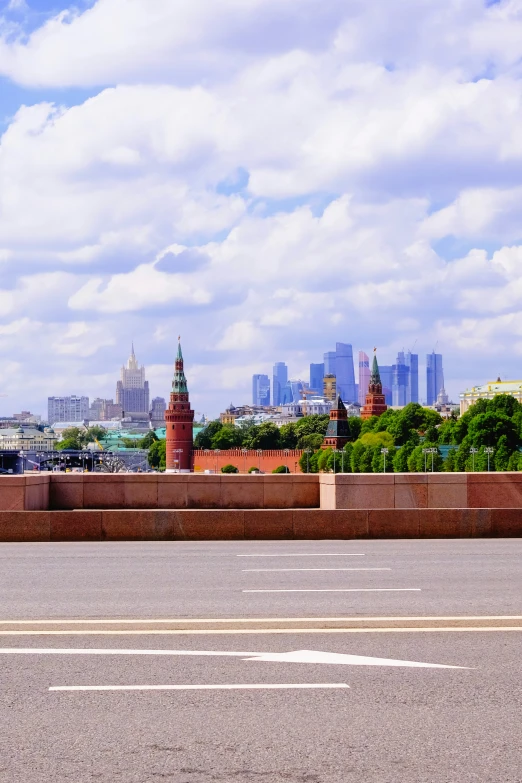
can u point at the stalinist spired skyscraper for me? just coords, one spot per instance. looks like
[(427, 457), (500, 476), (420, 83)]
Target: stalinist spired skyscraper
[(132, 390)]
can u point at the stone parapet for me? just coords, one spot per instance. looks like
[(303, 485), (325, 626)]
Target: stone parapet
[(232, 525)]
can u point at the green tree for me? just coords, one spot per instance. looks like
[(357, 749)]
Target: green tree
[(228, 437), (308, 425), (157, 455), (322, 459), (308, 461), (369, 425), (449, 464), (502, 454), (92, 435), (229, 469), (400, 459), (281, 469), (487, 429), (204, 438), (288, 436), (68, 443), (71, 439), (418, 462), (312, 441), (148, 440), (381, 439), (265, 436), (378, 461)]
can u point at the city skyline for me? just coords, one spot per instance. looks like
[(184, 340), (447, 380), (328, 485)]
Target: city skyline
[(261, 195)]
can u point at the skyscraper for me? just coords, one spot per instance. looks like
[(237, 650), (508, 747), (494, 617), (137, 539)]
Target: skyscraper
[(329, 362), (434, 377), (364, 376), (386, 375), (344, 372), (316, 377), (279, 382), (412, 361), (132, 390), (260, 390), (400, 381)]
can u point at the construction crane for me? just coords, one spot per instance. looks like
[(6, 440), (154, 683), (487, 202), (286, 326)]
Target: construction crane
[(307, 393)]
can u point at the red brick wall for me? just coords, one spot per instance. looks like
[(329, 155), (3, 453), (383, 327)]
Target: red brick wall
[(267, 462)]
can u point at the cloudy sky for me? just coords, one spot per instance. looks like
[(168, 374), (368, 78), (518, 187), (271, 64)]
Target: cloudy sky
[(263, 177)]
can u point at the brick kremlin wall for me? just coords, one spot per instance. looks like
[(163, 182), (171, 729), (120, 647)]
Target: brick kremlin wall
[(267, 461)]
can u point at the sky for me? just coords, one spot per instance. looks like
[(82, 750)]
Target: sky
[(262, 177)]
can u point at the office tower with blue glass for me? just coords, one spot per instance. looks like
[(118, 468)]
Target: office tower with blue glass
[(434, 377), (386, 373), (344, 372), (364, 377), (260, 390), (329, 363), (412, 361), (279, 382), (400, 381), (316, 377)]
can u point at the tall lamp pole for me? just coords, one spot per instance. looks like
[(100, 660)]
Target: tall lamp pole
[(384, 452), (286, 453), (489, 450), (473, 452)]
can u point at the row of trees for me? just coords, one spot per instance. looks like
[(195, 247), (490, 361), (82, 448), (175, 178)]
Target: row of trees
[(306, 433)]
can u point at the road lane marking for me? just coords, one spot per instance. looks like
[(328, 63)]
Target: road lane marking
[(181, 621), (228, 687), (345, 590), (273, 570), (293, 656), (309, 554), (242, 631)]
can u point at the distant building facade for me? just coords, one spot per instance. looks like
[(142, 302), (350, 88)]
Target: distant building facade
[(316, 377), (70, 408), (386, 375), (28, 439), (434, 377), (157, 411), (400, 382), (364, 377), (279, 383), (344, 372), (260, 390), (330, 387), (488, 391), (412, 361), (132, 390), (104, 410)]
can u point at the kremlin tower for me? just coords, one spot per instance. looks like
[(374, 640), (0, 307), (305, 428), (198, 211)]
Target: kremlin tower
[(179, 420), (375, 404), (337, 434)]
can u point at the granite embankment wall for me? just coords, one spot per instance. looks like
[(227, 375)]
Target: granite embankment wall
[(59, 507)]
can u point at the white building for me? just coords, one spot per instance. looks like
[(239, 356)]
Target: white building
[(27, 439), (489, 390), (67, 409)]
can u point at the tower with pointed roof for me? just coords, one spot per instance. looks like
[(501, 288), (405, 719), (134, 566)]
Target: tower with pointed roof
[(132, 390), (179, 418), (337, 434), (375, 404)]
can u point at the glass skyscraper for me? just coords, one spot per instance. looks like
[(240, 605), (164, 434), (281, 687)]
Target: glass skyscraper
[(329, 363), (316, 377), (260, 390), (434, 377), (412, 361), (400, 381), (386, 373), (344, 372), (364, 376), (279, 382)]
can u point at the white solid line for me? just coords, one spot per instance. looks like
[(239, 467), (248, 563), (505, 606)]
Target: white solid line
[(259, 631), (260, 570), (310, 554), (346, 590), (389, 618), (254, 686)]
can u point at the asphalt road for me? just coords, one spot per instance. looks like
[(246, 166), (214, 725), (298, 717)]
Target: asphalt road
[(140, 703)]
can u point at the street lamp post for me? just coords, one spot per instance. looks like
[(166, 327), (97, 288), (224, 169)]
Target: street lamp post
[(473, 452), (384, 452), (259, 455), (177, 461), (217, 452), (489, 450), (245, 452), (307, 452), (433, 452), (425, 452), (286, 453)]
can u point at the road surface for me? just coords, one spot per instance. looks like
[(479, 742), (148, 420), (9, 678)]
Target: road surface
[(193, 663)]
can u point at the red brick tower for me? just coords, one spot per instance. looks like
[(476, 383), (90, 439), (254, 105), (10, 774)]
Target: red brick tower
[(375, 400), (179, 418), (337, 434)]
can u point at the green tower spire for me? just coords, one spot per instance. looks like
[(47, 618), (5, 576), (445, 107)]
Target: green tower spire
[(179, 382), (375, 377)]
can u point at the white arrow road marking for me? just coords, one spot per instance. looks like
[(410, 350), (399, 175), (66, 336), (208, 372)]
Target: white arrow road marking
[(298, 656)]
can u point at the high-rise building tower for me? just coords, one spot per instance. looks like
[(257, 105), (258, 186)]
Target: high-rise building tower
[(412, 361), (132, 390), (316, 377), (375, 404), (400, 381), (434, 377), (279, 382), (329, 387), (329, 363), (71, 408), (386, 374), (344, 372), (364, 376), (260, 390), (179, 418)]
